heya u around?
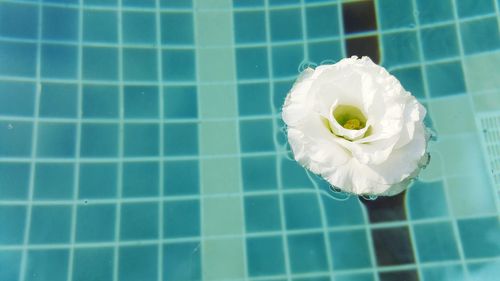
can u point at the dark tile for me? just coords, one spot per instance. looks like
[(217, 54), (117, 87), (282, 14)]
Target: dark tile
[(393, 246), (385, 209), (359, 16), (409, 275), (364, 46)]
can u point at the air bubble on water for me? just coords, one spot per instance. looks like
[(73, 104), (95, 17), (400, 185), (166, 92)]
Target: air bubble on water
[(305, 65), (327, 62), (85, 202), (369, 197)]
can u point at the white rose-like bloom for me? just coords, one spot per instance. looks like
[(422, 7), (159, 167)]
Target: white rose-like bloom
[(356, 126)]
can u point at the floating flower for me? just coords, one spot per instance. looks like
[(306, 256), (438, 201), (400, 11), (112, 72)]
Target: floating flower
[(355, 125)]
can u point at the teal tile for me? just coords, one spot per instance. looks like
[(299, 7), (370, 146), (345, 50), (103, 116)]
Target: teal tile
[(180, 102), (327, 50), (350, 250), (265, 256), (54, 181), (182, 261), (351, 206), (435, 242), (176, 3), (355, 277), (434, 11), (177, 28), (100, 260), (259, 173), (13, 259), (451, 272), (59, 61), (262, 213), (99, 140), (140, 64), (254, 99), (395, 13), (58, 100), (302, 211), (50, 224), (445, 79), (11, 26), (141, 179), (181, 177), (281, 89), (256, 135), (15, 138), (286, 60), (282, 2), (249, 26), (100, 101), (485, 270), (22, 94), (439, 42), (141, 140), (322, 21), (176, 225), (103, 3), (285, 25), (47, 265), (307, 253), (139, 221), (469, 8), (56, 140), (14, 180), (60, 23), (139, 3), (293, 175), (178, 65), (246, 3), (138, 263), (251, 63), (480, 237), (98, 180), (139, 27), (100, 26), (400, 48), (100, 63), (18, 59), (13, 219), (141, 101), (324, 278), (423, 206), (480, 35), (181, 139), (411, 79), (95, 223)]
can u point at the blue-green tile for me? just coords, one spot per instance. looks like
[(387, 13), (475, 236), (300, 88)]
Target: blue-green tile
[(139, 221), (47, 265), (178, 65), (50, 224), (436, 242), (411, 79), (56, 140), (105, 3), (95, 223), (395, 13), (141, 101), (99, 140), (322, 21), (15, 138), (480, 35), (355, 277), (139, 3), (141, 140), (182, 261), (100, 63), (246, 3), (327, 50), (265, 256), (14, 180), (307, 253), (249, 27), (98, 180), (12, 218), (181, 177), (176, 3), (254, 99), (287, 59), (469, 8), (11, 24), (99, 260), (18, 59), (181, 139), (423, 206), (281, 89), (13, 259), (181, 218), (54, 181), (140, 64), (293, 175), (177, 28), (58, 100), (141, 179), (138, 263), (400, 48), (451, 272), (139, 27), (100, 26), (251, 63), (434, 11), (60, 24), (100, 101), (302, 211), (350, 250), (485, 270), (351, 206), (259, 173), (439, 42), (59, 61), (262, 213), (285, 24), (22, 94), (445, 79), (282, 2), (480, 237), (180, 102), (256, 135)]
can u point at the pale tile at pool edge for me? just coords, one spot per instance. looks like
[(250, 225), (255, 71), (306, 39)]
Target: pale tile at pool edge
[(489, 101), (223, 259), (214, 28), (217, 101), (216, 65), (218, 138), (214, 4), (433, 171), (452, 115), (220, 175), (482, 72), (471, 195), (222, 216)]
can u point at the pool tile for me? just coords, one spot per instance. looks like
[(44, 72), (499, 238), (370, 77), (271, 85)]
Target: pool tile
[(480, 237), (445, 79), (355, 277), (177, 28), (180, 139), (141, 101), (180, 102), (364, 46), (423, 206), (100, 26), (100, 101), (58, 100), (217, 101), (99, 140), (480, 35), (293, 175), (139, 221), (103, 3), (178, 65), (15, 180), (467, 201), (140, 64), (285, 25), (322, 21), (98, 180), (256, 135), (139, 27), (223, 259), (395, 14), (436, 242), (451, 272), (22, 94), (350, 206), (262, 213), (407, 275), (386, 208), (56, 140), (59, 61), (13, 219), (265, 256), (100, 63), (307, 253), (253, 99), (400, 48), (485, 270), (249, 27), (95, 223), (11, 26), (452, 115), (138, 263), (140, 179), (181, 218), (18, 59), (325, 51), (359, 16), (50, 225), (49, 264), (99, 259), (469, 8), (218, 138), (350, 250), (286, 60), (60, 23), (282, 2), (393, 246), (221, 175), (481, 74), (182, 261), (251, 63), (439, 42), (141, 140), (13, 259), (411, 79), (54, 181), (181, 177), (222, 216), (259, 173), (434, 11), (215, 28), (246, 3), (302, 211), (216, 64), (15, 138)]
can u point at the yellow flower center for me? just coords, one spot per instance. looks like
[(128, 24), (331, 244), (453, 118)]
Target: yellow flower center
[(349, 117), (352, 124)]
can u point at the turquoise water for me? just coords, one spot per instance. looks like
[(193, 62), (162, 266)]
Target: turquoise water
[(141, 140)]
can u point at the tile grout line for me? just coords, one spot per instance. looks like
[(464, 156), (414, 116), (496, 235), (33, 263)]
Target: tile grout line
[(27, 226)]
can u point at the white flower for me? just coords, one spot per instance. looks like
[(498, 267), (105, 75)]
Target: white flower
[(356, 126)]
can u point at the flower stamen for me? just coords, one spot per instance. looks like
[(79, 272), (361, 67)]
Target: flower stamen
[(353, 124)]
